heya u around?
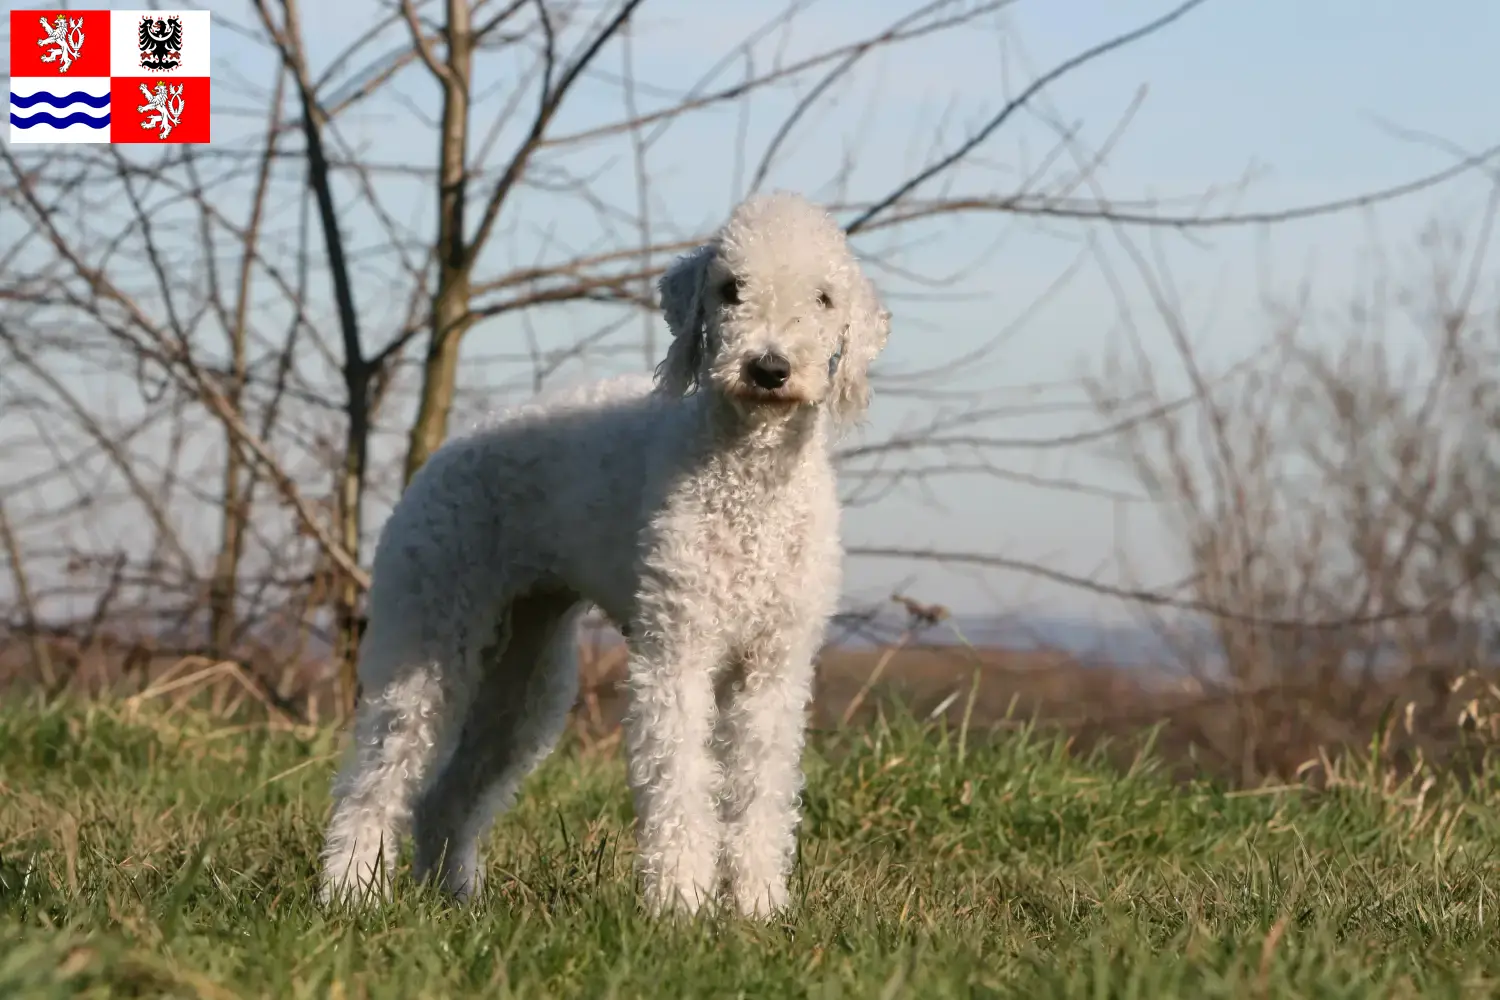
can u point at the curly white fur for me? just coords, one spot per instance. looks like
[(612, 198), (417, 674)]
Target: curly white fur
[(702, 516)]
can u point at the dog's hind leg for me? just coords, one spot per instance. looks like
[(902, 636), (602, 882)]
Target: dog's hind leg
[(515, 720), (404, 728)]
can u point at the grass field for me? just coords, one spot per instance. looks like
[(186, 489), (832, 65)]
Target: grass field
[(168, 855)]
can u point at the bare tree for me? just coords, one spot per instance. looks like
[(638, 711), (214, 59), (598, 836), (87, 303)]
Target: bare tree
[(247, 314), (1334, 499), (224, 587)]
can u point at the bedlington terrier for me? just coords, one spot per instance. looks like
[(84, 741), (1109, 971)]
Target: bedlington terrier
[(701, 516)]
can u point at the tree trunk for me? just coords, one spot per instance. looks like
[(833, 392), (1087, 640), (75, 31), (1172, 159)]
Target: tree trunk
[(440, 372), (351, 524), (356, 370), (41, 658), (450, 303), (222, 589)]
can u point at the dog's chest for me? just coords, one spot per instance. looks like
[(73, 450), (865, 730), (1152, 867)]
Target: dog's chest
[(756, 530)]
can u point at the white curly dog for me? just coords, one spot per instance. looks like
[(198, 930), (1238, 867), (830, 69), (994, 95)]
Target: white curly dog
[(701, 516)]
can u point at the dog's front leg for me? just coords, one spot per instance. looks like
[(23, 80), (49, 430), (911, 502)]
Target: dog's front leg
[(761, 731), (673, 774)]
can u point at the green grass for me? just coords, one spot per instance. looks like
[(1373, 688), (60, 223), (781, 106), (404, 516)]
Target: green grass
[(171, 856)]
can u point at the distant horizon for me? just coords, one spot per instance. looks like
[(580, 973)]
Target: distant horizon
[(1188, 646)]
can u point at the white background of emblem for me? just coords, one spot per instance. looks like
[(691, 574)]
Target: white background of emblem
[(25, 86), (125, 47)]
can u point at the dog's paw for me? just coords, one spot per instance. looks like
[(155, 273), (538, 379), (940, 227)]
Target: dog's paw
[(354, 893), (761, 900), (674, 897)]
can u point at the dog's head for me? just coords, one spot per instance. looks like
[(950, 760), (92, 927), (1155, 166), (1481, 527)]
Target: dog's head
[(774, 313)]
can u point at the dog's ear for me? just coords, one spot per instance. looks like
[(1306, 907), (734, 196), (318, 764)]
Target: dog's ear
[(682, 305), (869, 329)]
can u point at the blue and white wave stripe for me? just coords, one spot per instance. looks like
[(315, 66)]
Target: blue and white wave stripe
[(62, 102)]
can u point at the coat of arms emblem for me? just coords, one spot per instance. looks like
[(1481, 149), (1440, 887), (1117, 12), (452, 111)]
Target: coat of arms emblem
[(167, 103), (160, 40), (65, 36)]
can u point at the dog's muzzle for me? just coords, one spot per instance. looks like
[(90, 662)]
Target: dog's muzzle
[(765, 377), (769, 371)]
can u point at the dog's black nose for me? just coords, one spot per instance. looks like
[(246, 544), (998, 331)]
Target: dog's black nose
[(770, 371)]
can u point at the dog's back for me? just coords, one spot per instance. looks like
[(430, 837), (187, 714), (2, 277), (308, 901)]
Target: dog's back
[(508, 507)]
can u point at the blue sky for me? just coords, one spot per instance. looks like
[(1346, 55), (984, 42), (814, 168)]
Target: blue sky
[(1293, 94)]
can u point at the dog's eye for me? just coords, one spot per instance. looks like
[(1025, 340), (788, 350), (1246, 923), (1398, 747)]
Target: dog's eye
[(729, 292), (825, 300)]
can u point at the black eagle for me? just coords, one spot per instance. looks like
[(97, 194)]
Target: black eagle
[(161, 42)]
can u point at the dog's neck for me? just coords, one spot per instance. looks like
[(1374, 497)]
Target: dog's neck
[(775, 440)]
